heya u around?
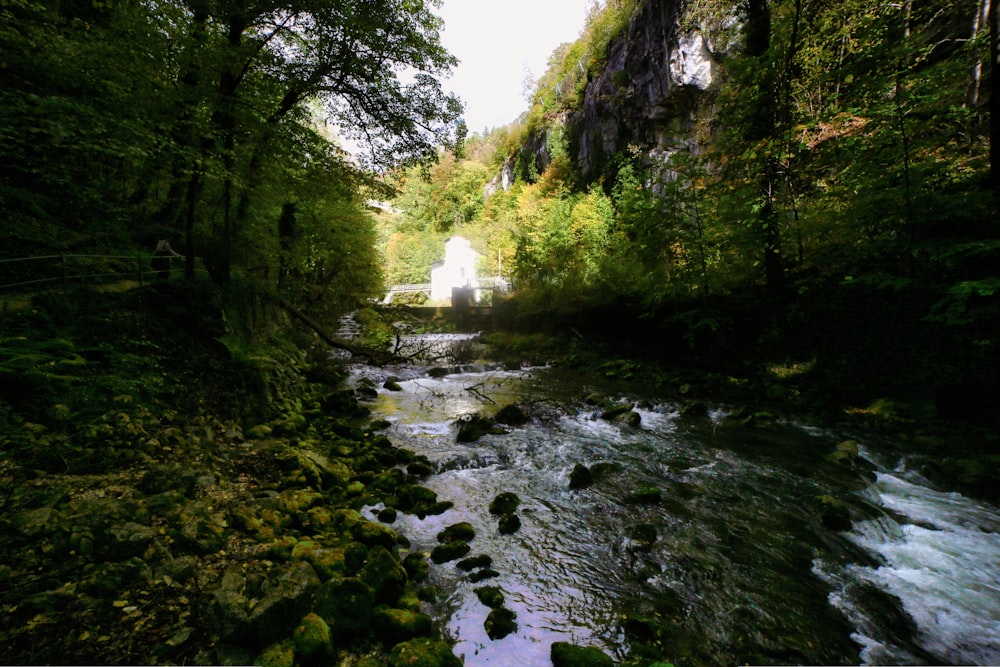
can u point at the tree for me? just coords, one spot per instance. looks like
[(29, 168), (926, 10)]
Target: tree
[(372, 64)]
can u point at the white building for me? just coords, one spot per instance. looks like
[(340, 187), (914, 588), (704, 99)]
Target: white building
[(457, 269)]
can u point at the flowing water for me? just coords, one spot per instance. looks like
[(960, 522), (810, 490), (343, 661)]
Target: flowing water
[(732, 565)]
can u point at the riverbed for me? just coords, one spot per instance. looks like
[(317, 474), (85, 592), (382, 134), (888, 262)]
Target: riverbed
[(733, 560)]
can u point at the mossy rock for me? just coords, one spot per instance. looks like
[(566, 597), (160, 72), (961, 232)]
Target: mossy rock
[(509, 524), (423, 652), (473, 427), (385, 575), (483, 574), (312, 637), (437, 372), (388, 515), (474, 562), (281, 654), (328, 562), (512, 415), (491, 596), (645, 495), (374, 534), (459, 531), (419, 469), (416, 566), (450, 551), (433, 509), (500, 623), (580, 477), (392, 384), (564, 654), (346, 605), (298, 501), (615, 412), (411, 496), (505, 503), (393, 626)]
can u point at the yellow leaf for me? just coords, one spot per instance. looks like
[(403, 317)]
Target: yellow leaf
[(120, 603), (84, 636)]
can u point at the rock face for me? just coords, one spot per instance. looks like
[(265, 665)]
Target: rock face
[(658, 84)]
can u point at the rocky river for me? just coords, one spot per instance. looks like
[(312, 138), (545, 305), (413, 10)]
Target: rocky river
[(695, 533)]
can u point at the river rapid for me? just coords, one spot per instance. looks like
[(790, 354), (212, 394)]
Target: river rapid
[(736, 561)]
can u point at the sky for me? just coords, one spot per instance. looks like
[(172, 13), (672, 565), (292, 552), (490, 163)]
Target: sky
[(497, 44)]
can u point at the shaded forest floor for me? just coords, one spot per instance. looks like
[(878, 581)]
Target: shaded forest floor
[(171, 495)]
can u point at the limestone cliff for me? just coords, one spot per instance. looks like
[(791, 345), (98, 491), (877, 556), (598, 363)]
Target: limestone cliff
[(655, 92)]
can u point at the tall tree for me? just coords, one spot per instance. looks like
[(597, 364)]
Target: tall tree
[(374, 65)]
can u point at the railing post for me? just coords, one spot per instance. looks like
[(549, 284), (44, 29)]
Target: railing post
[(63, 257)]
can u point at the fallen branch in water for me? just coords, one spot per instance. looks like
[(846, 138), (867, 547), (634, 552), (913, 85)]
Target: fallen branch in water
[(376, 356)]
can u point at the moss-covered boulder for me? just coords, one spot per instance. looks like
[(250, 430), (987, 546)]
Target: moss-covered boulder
[(327, 561), (346, 605), (410, 497), (564, 654), (393, 626), (373, 534), (511, 415), (392, 384), (483, 574), (504, 503), (385, 575), (450, 551), (616, 412), (298, 501), (287, 598), (459, 531), (473, 427), (312, 638), (474, 562), (416, 566), (491, 596), (509, 524), (423, 652), (500, 623), (281, 654)]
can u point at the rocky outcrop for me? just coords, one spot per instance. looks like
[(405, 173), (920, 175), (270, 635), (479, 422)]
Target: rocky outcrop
[(654, 93)]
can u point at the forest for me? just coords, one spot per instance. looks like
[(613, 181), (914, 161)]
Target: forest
[(834, 175), (790, 205)]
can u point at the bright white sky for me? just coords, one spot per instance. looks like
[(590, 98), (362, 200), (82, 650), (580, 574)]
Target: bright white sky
[(497, 44)]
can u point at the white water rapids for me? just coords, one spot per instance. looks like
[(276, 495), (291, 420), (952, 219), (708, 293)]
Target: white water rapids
[(746, 564)]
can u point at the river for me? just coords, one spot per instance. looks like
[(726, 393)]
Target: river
[(732, 563)]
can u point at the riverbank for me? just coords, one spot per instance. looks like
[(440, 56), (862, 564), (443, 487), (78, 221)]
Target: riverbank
[(176, 493)]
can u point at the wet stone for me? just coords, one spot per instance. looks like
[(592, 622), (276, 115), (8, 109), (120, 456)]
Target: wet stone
[(500, 623), (385, 575), (469, 564), (504, 503), (393, 626), (564, 654), (460, 531), (346, 605), (509, 524), (423, 652), (450, 551)]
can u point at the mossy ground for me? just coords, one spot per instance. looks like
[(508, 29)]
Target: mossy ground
[(175, 494)]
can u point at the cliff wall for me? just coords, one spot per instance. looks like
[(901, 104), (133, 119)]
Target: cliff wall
[(655, 94)]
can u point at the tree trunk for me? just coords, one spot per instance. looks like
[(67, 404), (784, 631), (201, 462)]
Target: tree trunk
[(995, 105)]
